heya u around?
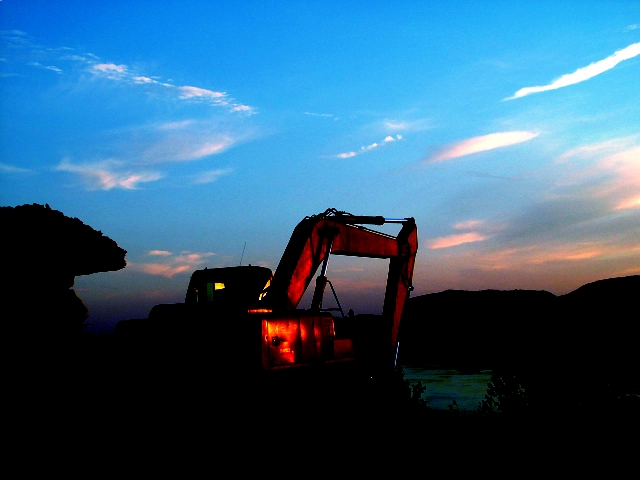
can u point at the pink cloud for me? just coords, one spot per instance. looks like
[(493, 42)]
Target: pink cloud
[(550, 252), (628, 203), (617, 173), (482, 144), (104, 175), (163, 270), (171, 265), (454, 240)]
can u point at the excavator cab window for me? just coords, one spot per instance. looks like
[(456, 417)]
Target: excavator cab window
[(212, 288)]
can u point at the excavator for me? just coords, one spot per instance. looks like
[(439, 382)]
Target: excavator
[(247, 317)]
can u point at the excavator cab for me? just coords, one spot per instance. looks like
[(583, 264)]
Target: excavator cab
[(240, 287)]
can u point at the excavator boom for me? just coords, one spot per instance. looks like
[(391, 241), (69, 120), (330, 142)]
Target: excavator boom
[(339, 233)]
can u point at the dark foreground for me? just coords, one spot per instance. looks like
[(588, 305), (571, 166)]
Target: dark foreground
[(121, 399)]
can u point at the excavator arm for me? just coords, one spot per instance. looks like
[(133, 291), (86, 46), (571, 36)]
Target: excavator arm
[(340, 233)]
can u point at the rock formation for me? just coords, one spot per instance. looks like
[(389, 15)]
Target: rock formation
[(42, 252)]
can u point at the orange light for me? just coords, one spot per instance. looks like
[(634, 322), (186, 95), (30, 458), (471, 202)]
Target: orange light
[(259, 310)]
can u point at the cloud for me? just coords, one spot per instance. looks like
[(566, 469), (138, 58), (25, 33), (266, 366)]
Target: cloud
[(141, 79), (110, 70), (46, 67), (195, 92), (172, 264), (181, 141), (609, 171), (123, 73), (545, 252), (368, 148), (631, 27), (6, 168), (160, 269), (407, 125), (186, 92), (210, 176), (609, 146), (633, 202), (469, 225), (175, 125), (330, 115), (104, 175), (209, 148), (454, 240), (583, 225), (482, 144), (162, 253), (584, 73)]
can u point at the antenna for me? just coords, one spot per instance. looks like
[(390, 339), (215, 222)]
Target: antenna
[(245, 246)]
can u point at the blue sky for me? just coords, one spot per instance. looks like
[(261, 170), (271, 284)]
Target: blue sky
[(182, 130)]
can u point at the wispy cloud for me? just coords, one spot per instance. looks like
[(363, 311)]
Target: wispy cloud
[(210, 176), (143, 80), (584, 73), (455, 240), (185, 92), (162, 253), (609, 170), (631, 27), (141, 152), (106, 176), (474, 231), (6, 168), (633, 202), (121, 72), (469, 224), (53, 68), (407, 125), (597, 149), (481, 144), (188, 140), (368, 148), (329, 115), (200, 93), (171, 264)]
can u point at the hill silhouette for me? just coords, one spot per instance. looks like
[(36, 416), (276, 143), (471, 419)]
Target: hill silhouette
[(488, 328), (576, 351)]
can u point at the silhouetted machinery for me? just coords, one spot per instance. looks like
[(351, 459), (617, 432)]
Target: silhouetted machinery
[(251, 316)]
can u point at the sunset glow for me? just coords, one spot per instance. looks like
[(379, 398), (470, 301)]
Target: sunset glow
[(198, 135)]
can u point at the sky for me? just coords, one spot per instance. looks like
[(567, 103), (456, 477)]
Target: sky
[(191, 132)]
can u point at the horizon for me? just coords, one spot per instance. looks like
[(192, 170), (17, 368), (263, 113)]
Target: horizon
[(509, 131)]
